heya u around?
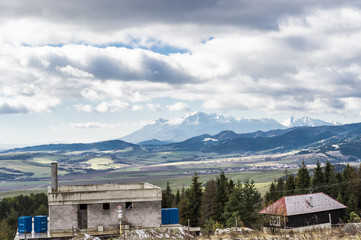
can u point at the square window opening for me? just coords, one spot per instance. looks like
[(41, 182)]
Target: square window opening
[(128, 205), (106, 206), (83, 206)]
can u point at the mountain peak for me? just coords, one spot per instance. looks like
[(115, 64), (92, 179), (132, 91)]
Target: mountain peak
[(304, 121)]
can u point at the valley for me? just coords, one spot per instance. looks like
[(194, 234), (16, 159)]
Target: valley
[(261, 156)]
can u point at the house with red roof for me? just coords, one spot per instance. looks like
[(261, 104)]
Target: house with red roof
[(304, 210)]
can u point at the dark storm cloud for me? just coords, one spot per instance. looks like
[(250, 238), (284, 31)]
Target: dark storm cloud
[(114, 14), (7, 109)]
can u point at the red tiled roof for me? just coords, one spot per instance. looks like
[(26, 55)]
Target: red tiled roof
[(302, 204)]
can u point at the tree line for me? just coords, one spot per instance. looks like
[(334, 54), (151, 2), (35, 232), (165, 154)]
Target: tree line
[(221, 203), (11, 208), (339, 182)]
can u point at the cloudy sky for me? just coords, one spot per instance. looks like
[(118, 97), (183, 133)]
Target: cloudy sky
[(82, 71)]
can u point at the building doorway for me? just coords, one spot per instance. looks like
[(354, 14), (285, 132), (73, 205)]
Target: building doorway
[(83, 216)]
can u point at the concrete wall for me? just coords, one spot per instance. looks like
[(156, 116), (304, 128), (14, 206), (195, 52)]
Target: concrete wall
[(97, 216), (143, 214), (63, 217)]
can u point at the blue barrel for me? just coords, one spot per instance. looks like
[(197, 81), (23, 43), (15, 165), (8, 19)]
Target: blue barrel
[(165, 216), (40, 224), (174, 215), (170, 216), (25, 224)]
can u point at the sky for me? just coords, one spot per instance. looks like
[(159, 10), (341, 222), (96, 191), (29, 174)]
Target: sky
[(84, 71)]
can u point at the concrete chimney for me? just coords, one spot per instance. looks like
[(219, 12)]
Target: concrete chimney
[(54, 176)]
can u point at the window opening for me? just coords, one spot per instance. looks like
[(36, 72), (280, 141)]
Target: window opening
[(106, 206), (128, 205), (83, 206)]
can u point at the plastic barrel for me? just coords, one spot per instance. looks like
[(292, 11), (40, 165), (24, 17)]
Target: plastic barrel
[(165, 216), (173, 215), (40, 224), (25, 224), (170, 216)]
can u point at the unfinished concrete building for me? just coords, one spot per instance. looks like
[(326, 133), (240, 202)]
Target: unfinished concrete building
[(94, 207)]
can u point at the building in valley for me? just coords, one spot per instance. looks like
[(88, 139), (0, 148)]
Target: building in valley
[(304, 210)]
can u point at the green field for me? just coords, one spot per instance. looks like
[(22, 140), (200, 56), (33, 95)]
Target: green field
[(29, 172)]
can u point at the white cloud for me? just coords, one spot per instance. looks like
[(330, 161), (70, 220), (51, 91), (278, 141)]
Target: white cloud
[(287, 61), (73, 72), (153, 107), (178, 106)]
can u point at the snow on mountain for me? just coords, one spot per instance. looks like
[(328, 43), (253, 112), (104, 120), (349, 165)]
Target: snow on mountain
[(198, 123), (306, 122)]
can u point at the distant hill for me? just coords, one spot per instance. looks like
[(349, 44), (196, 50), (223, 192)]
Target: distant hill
[(153, 142), (275, 141), (98, 146), (344, 138), (199, 123)]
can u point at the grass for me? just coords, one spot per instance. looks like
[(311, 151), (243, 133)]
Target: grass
[(262, 179), (20, 192)]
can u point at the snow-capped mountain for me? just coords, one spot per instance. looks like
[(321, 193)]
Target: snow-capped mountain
[(306, 122), (199, 123)]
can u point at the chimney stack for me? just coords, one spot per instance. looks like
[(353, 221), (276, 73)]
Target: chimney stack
[(54, 176)]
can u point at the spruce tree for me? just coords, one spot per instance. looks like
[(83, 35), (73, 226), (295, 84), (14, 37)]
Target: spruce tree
[(351, 207), (221, 197), (318, 178), (177, 198), (280, 188), (185, 211), (271, 195), (290, 185), (302, 180), (195, 200), (330, 181), (243, 205), (250, 205), (208, 202), (234, 207), (167, 197)]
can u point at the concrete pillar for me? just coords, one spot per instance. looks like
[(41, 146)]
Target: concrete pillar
[(54, 176)]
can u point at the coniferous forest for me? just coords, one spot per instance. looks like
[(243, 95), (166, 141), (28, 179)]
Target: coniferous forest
[(221, 202), (13, 207)]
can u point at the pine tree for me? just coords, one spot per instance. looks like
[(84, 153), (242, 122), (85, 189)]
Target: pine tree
[(351, 207), (302, 180), (234, 208), (195, 200), (329, 177), (290, 185), (318, 178), (280, 188), (250, 205), (347, 177), (167, 197), (185, 211), (271, 195), (358, 188), (221, 197), (177, 198), (243, 204), (208, 202)]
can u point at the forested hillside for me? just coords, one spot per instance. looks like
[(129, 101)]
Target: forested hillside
[(13, 207)]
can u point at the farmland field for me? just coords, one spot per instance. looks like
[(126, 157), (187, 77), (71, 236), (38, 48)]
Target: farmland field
[(30, 171)]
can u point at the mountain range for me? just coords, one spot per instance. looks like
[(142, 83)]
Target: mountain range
[(199, 123), (343, 138)]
